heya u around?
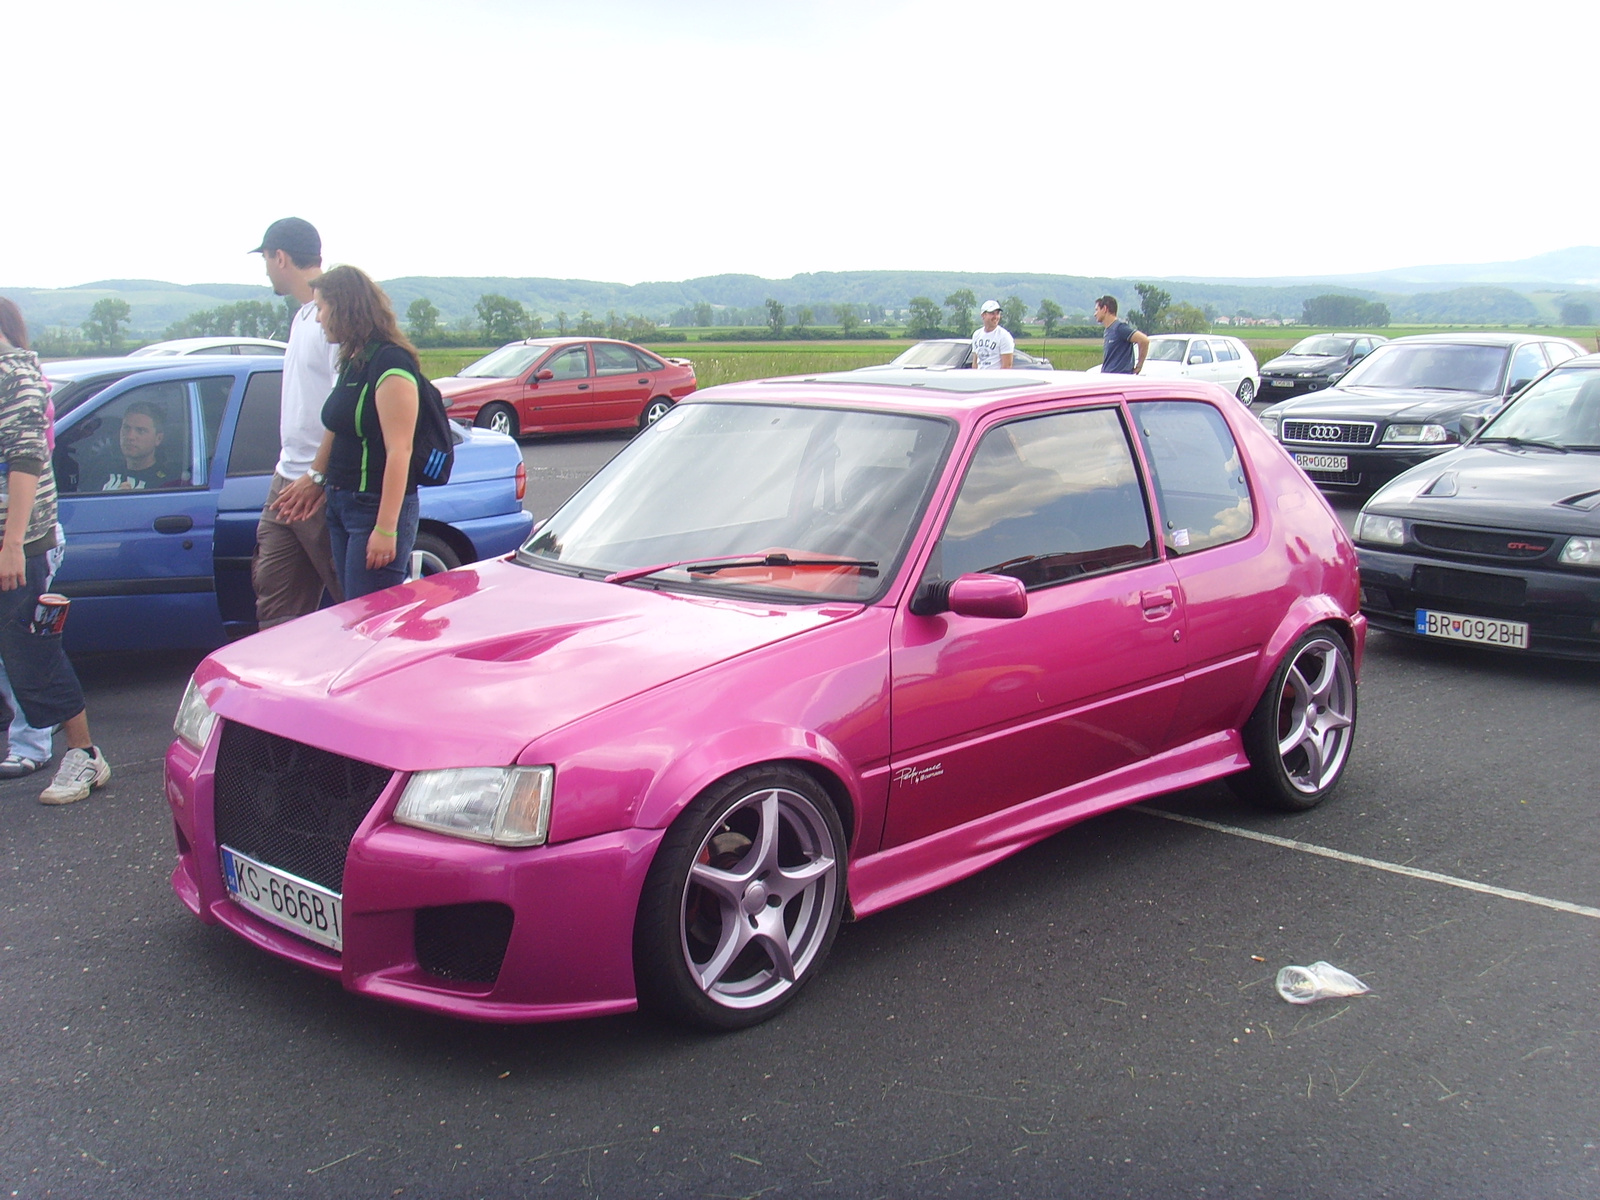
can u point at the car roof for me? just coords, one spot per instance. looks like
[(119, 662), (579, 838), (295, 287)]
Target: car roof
[(1489, 337), (70, 370), (194, 343)]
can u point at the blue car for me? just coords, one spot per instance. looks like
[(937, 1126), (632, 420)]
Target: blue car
[(159, 546)]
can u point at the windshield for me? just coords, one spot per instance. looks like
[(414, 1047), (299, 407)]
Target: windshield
[(1167, 350), (504, 362), (1562, 409), (713, 482), (1434, 366), (934, 354), (1322, 346)]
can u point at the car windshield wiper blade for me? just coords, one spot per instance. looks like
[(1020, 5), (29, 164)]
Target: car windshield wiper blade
[(1517, 441), (709, 566)]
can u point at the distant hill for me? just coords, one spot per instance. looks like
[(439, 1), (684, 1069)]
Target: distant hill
[(1527, 290)]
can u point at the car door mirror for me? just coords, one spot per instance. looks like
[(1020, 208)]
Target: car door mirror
[(547, 373), (1195, 359), (1470, 424), (997, 597)]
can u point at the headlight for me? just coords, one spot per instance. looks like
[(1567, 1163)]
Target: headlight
[(1581, 552), (1270, 424), (195, 720), (508, 806), (1424, 435), (1380, 531)]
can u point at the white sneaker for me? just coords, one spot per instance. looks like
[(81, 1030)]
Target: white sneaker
[(81, 771)]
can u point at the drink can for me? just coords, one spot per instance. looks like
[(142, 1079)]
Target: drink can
[(50, 614)]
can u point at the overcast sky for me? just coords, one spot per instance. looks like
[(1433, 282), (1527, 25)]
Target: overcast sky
[(629, 140)]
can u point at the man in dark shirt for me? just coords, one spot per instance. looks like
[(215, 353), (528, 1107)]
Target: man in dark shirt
[(144, 428), (1120, 340)]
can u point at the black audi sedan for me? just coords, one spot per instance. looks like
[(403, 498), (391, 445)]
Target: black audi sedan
[(1403, 403), (1497, 542), (1314, 363)]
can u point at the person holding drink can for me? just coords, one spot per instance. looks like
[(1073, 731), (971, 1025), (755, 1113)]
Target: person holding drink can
[(45, 684)]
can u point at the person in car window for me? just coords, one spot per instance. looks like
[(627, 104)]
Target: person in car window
[(1120, 340), (45, 684), (370, 422), (144, 428), (992, 345)]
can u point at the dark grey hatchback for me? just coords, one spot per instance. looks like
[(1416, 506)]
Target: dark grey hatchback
[(1497, 542)]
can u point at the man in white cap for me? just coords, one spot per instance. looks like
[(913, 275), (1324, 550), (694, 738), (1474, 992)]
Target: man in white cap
[(992, 346)]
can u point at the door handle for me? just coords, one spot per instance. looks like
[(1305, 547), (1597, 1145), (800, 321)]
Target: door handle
[(1157, 603), (174, 524), (583, 387), (644, 379)]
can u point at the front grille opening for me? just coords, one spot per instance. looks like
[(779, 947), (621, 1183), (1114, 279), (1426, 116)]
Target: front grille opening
[(463, 942), (290, 805), (1479, 587)]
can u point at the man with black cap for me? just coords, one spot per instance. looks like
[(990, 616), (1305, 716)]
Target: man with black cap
[(992, 346), (294, 559)]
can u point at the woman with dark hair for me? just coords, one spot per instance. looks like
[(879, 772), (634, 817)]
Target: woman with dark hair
[(46, 686), (371, 418)]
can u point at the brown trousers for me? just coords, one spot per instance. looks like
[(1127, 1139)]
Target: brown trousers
[(292, 565)]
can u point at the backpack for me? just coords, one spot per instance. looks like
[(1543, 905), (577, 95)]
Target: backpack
[(433, 443)]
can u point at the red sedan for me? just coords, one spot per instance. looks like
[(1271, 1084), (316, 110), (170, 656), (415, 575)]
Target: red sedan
[(555, 385)]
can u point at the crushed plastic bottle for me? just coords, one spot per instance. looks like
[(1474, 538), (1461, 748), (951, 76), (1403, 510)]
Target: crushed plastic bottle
[(1319, 981)]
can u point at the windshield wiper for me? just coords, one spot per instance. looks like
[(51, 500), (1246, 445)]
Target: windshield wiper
[(1512, 440), (710, 566)]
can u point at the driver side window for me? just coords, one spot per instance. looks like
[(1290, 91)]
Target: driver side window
[(140, 441), (572, 363)]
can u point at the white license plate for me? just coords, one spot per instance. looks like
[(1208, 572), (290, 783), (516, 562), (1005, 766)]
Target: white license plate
[(1456, 627), (1323, 462), (296, 904), (1282, 382)]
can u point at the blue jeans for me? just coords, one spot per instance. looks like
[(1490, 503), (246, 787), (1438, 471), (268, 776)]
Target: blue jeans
[(45, 684), (351, 517), (23, 739)]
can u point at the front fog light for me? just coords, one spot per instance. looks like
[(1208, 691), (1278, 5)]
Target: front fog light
[(1380, 531), (1581, 552), (195, 720), (508, 806)]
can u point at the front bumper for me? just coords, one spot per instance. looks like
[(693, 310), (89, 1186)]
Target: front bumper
[(1368, 467), (1287, 387), (569, 949), (1561, 608)]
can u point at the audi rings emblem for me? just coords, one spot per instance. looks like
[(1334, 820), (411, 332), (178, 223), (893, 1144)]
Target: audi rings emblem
[(1325, 433)]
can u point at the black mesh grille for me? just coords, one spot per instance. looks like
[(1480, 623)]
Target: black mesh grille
[(1491, 543), (1330, 433), (463, 941), (1470, 585), (289, 805)]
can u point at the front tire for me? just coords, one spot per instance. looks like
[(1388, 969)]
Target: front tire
[(1246, 392), (1298, 738), (742, 902), (499, 418)]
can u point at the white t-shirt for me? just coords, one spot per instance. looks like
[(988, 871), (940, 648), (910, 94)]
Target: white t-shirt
[(309, 366), (990, 346)]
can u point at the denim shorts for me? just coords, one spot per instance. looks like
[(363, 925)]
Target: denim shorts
[(351, 518), (46, 685)]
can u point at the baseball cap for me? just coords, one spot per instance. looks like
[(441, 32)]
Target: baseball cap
[(299, 238), (990, 306)]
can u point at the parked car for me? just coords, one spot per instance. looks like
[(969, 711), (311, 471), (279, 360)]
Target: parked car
[(1497, 542), (1314, 363), (1403, 404), (560, 385), (806, 646), (950, 354), (179, 347), (1225, 361), (162, 560)]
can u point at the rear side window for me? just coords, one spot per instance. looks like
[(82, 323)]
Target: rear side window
[(614, 360), (255, 437), (1199, 479), (1048, 499)]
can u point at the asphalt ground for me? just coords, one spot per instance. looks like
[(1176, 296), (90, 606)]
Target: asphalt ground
[(1092, 1017)]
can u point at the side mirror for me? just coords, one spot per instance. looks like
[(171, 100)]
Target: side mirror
[(547, 373), (996, 597), (1194, 359), (1470, 424)]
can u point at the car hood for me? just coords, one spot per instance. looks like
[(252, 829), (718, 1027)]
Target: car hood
[(1290, 364), (468, 667), (1536, 490), (453, 385), (1371, 404)]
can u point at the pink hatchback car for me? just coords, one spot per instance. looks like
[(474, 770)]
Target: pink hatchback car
[(806, 648)]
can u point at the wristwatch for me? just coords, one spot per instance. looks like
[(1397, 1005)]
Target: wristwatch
[(318, 478)]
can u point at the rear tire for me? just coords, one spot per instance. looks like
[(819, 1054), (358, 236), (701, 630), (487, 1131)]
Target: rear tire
[(500, 418), (431, 555), (1299, 736), (659, 407), (742, 901)]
